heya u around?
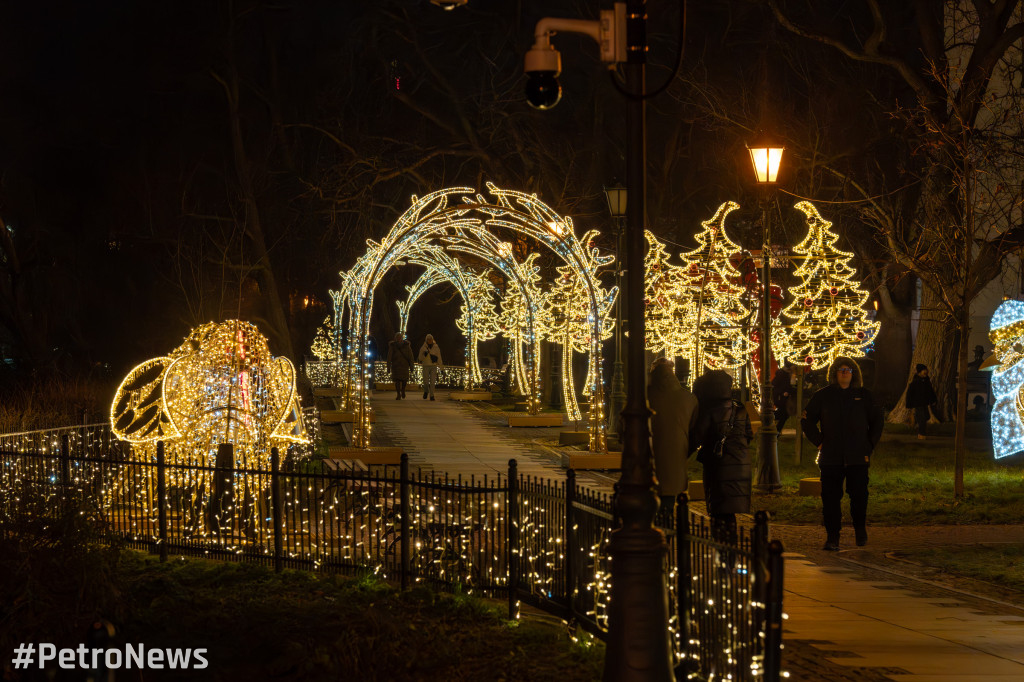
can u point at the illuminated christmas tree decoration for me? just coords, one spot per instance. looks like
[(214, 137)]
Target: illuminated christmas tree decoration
[(715, 337), (324, 344), (1006, 331), (827, 317)]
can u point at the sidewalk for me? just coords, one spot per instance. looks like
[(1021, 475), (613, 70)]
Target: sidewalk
[(867, 629), (848, 619), (439, 435)]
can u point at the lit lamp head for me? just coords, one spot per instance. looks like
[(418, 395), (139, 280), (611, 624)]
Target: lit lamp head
[(616, 195), (766, 158)]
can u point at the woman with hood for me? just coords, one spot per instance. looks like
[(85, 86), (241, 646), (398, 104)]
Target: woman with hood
[(400, 360), (721, 437), (844, 422), (430, 358), (675, 414)]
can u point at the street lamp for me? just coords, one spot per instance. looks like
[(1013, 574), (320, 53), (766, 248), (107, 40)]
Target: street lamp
[(638, 645), (616, 195), (766, 158)]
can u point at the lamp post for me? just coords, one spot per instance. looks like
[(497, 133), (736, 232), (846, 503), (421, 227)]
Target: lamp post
[(766, 159), (617, 195), (638, 640)]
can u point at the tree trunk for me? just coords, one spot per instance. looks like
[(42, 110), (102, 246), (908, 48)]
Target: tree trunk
[(263, 272), (933, 347), (960, 437), (894, 345)]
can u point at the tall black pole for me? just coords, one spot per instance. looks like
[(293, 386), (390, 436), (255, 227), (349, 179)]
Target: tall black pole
[(618, 392), (638, 640), (768, 470)]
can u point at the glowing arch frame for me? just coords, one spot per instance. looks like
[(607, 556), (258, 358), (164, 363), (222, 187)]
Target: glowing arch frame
[(436, 215)]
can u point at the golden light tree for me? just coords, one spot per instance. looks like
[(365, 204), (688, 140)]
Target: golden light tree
[(324, 342), (715, 333), (478, 320), (668, 302), (572, 328), (827, 317)]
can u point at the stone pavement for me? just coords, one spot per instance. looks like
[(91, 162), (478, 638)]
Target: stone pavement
[(441, 435), (845, 621), (880, 629)]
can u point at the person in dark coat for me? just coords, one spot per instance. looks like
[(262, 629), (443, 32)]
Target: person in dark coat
[(782, 389), (721, 438), (920, 396), (843, 421), (675, 414), (400, 360)]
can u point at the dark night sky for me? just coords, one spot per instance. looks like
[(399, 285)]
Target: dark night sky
[(119, 180)]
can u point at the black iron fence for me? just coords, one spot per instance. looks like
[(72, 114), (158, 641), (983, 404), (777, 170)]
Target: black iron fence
[(534, 541)]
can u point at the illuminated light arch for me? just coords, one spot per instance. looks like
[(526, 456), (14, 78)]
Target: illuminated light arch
[(522, 305), (1006, 331), (439, 214), (475, 293)]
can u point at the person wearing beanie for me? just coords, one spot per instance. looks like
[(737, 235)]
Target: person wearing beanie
[(843, 421), (920, 396)]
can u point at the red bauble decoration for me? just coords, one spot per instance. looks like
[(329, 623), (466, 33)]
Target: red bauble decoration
[(860, 335), (809, 359), (833, 291), (808, 302)]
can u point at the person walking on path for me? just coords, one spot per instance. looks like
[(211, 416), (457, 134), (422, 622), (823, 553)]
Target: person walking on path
[(721, 436), (843, 421), (430, 358), (921, 396), (782, 390), (400, 360), (675, 414)]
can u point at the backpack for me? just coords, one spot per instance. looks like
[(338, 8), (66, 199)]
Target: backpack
[(719, 447)]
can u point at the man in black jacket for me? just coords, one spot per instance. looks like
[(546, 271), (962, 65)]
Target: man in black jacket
[(850, 427)]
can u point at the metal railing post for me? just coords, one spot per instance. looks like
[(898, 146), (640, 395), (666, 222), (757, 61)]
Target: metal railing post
[(684, 577), (276, 509), (773, 614), (65, 461), (760, 567), (569, 540), (406, 527), (512, 536), (161, 498)]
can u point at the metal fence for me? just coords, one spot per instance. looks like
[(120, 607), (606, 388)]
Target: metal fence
[(526, 539)]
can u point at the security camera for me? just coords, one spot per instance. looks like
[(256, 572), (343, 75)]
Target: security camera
[(448, 5), (543, 66)]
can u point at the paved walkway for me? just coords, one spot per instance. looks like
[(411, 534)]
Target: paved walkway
[(886, 630), (441, 435), (845, 621)]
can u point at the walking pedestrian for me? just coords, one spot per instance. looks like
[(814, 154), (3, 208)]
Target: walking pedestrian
[(430, 359), (721, 437), (675, 414), (400, 360), (782, 391), (920, 397), (843, 421)]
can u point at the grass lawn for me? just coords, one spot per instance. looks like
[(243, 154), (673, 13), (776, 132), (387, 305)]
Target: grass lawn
[(911, 483), (299, 625), (1002, 564)]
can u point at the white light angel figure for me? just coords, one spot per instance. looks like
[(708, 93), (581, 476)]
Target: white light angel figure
[(1006, 332)]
